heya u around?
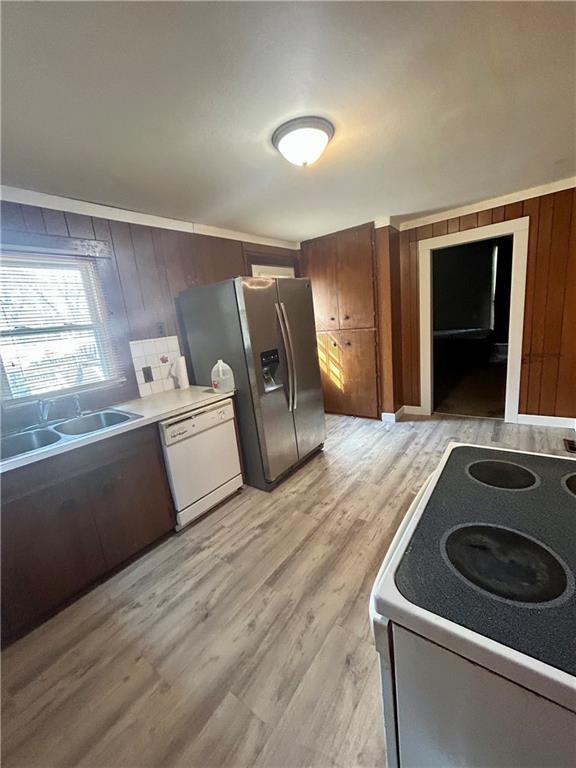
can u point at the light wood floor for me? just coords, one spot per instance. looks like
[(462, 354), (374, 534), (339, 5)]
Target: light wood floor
[(243, 641)]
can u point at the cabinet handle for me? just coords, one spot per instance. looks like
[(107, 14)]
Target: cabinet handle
[(346, 317), (348, 343), (334, 344), (332, 318)]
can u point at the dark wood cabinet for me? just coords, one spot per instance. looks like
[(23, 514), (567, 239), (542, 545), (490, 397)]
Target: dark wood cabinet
[(348, 372), (320, 265), (130, 498), (218, 258), (341, 269), (50, 551), (355, 278), (360, 378), (331, 362), (70, 519)]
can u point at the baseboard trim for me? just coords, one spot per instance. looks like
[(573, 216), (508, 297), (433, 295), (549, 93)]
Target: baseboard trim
[(392, 417), (414, 410), (547, 421), (562, 422)]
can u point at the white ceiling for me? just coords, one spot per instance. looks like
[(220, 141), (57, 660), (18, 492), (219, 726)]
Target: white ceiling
[(168, 108)]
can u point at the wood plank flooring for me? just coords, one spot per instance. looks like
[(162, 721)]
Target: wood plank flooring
[(244, 641)]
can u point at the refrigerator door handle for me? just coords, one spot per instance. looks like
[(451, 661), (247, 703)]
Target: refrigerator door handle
[(292, 358), (288, 355)]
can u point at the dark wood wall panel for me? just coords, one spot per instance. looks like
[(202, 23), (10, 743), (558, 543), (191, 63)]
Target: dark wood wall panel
[(154, 265), (149, 266), (566, 390), (33, 219), (548, 379), (387, 251), (406, 292), (55, 222), (78, 225)]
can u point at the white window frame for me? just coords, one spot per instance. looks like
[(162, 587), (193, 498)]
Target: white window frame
[(16, 253)]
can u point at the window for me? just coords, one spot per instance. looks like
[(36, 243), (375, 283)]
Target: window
[(54, 334)]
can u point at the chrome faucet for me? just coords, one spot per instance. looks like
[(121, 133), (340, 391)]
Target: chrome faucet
[(44, 410), (77, 406)]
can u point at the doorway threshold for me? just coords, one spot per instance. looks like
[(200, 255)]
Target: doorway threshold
[(467, 415)]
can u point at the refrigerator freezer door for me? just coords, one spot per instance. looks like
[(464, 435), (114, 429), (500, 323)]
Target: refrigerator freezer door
[(268, 371), (308, 406)]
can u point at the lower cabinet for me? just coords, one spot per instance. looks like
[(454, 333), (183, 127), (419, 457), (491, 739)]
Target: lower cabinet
[(50, 551), (130, 499), (69, 519), (348, 370)]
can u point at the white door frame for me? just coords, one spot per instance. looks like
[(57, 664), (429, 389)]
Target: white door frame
[(519, 229)]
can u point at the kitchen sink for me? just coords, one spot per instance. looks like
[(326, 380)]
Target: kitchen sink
[(14, 445), (92, 422), (43, 435)]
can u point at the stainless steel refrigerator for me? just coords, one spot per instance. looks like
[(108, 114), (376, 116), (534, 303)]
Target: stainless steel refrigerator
[(264, 329)]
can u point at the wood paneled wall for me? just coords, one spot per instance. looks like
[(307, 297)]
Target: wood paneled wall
[(387, 252), (154, 265), (548, 379), (151, 265)]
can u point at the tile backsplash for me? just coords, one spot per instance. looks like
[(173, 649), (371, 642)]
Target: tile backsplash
[(157, 355)]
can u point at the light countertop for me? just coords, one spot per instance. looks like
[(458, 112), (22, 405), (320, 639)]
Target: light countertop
[(150, 409)]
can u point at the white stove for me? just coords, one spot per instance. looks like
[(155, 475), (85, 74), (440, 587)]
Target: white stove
[(474, 615)]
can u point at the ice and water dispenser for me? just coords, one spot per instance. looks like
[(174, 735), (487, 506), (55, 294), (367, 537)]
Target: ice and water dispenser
[(270, 361)]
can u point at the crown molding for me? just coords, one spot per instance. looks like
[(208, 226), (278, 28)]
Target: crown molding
[(55, 202), (402, 222)]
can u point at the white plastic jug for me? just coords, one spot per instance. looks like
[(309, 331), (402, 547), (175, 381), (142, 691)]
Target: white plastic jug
[(222, 377)]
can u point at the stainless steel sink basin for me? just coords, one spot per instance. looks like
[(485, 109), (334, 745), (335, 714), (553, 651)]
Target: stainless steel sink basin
[(83, 425), (14, 445)]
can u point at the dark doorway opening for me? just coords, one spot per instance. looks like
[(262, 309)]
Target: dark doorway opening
[(471, 315)]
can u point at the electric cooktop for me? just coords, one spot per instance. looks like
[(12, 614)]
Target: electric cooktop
[(495, 551)]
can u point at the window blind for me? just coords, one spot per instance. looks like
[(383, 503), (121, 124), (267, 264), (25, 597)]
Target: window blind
[(54, 331)]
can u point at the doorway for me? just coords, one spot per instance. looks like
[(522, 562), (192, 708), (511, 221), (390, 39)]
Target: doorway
[(518, 228), (471, 292)]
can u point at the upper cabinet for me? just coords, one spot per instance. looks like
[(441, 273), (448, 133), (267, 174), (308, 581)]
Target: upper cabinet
[(320, 264), (355, 277), (341, 268), (218, 258)]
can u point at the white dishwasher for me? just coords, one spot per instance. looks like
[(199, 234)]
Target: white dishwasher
[(202, 461)]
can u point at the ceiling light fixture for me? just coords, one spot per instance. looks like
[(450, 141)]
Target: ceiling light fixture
[(302, 140)]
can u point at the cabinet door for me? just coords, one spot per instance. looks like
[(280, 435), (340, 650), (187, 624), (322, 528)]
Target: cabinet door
[(218, 258), (130, 497), (355, 278), (348, 370), (359, 386), (50, 552), (320, 267), (331, 362)]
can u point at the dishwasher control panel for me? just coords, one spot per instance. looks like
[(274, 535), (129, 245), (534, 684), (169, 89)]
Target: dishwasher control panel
[(192, 423)]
